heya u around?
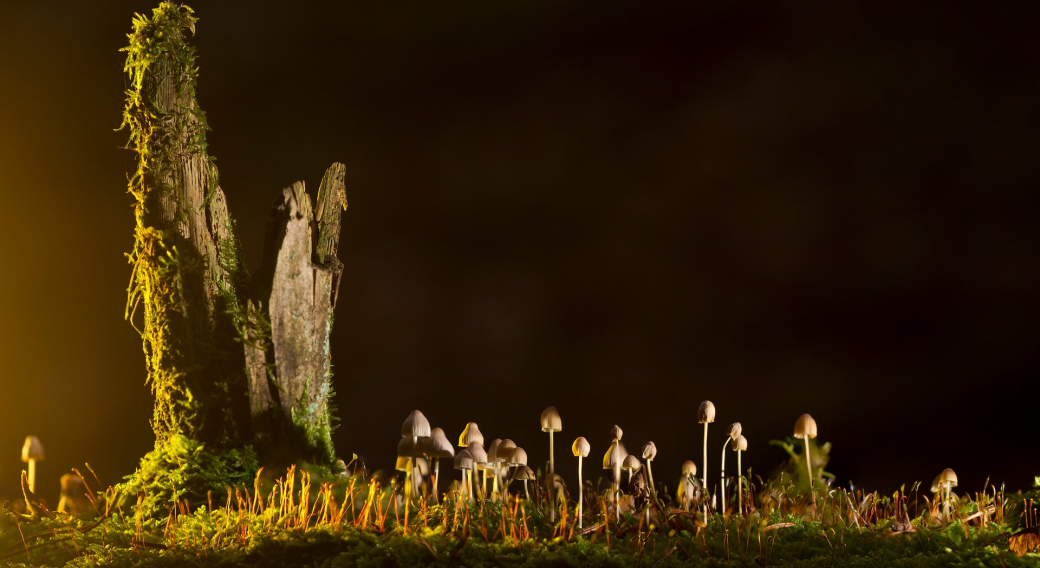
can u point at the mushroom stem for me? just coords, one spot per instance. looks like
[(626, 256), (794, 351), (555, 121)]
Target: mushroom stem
[(740, 486), (808, 467), (552, 471), (527, 495), (580, 492), (32, 475), (725, 503), (436, 478), (650, 474), (704, 479), (617, 480)]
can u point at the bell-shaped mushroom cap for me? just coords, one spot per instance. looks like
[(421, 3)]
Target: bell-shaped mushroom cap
[(706, 412), (649, 451), (437, 445), (72, 485), (476, 451), (408, 449), (463, 460), (525, 473), (734, 430), (739, 444), (947, 478), (631, 463), (415, 425), (935, 484), (471, 435), (32, 450), (423, 466), (689, 468), (492, 451), (615, 433), (805, 427), (505, 447), (551, 420), (608, 458), (581, 447), (517, 457)]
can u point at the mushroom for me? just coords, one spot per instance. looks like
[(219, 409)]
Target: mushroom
[(947, 480), (581, 449), (480, 458), (612, 461), (804, 429), (551, 423), (631, 465), (525, 474), (517, 458), (687, 484), (731, 434), (470, 435), (464, 463), (407, 451), (415, 426), (740, 446), (32, 452), (649, 453), (505, 448), (493, 460), (705, 415), (72, 495), (438, 447)]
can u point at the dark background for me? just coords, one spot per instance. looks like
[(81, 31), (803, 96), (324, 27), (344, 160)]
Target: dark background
[(619, 208)]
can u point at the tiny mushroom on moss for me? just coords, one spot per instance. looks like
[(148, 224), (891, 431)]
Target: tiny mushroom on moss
[(525, 474), (649, 454), (438, 447), (805, 429), (581, 449), (705, 415), (740, 446), (731, 434), (32, 452), (464, 463), (947, 481)]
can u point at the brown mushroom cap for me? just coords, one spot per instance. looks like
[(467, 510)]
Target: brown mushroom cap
[(805, 427), (505, 447), (649, 451), (72, 485), (631, 463), (706, 412), (525, 473), (551, 420), (739, 444), (517, 457), (437, 445), (689, 468), (476, 451), (492, 451), (471, 435), (608, 458), (581, 447), (415, 425), (615, 433), (406, 448), (32, 449), (463, 460), (947, 478), (734, 430), (935, 484)]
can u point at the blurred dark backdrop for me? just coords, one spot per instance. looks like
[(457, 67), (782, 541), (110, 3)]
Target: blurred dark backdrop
[(619, 208)]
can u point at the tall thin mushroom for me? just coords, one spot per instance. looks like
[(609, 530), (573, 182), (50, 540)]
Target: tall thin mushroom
[(525, 474), (415, 426), (706, 415), (32, 452), (581, 449), (649, 454), (740, 446), (471, 435), (480, 459), (464, 463), (805, 429), (731, 434), (687, 484), (505, 448), (438, 447), (551, 423), (493, 460)]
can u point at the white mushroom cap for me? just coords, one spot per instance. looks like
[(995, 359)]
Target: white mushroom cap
[(608, 458), (492, 451), (551, 420), (581, 447), (463, 460), (947, 478), (706, 412), (437, 445), (739, 443), (805, 427), (416, 425), (631, 463), (517, 457), (471, 435), (615, 433), (649, 451), (32, 450), (734, 430), (689, 468), (505, 449)]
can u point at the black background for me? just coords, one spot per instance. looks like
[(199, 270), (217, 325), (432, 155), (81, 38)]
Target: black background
[(619, 208)]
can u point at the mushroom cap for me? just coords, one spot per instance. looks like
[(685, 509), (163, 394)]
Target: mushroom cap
[(470, 435), (615, 433), (517, 457), (551, 420), (631, 463), (505, 448), (947, 478), (525, 473), (805, 427), (706, 412), (415, 425), (581, 447), (608, 458), (739, 444), (464, 460), (406, 448), (935, 484), (649, 451), (734, 430), (477, 453), (32, 450), (689, 468), (437, 445), (492, 451), (72, 485)]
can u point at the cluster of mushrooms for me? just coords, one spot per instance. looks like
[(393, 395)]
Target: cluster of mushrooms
[(502, 463)]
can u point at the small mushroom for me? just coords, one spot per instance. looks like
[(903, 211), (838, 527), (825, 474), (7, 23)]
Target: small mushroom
[(480, 459), (525, 474), (437, 447), (649, 454), (551, 423), (731, 434), (688, 484), (740, 446), (705, 415), (415, 426), (73, 498), (631, 465), (32, 452), (464, 463), (517, 458), (493, 460), (505, 447), (581, 449), (470, 435), (805, 429), (947, 481)]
